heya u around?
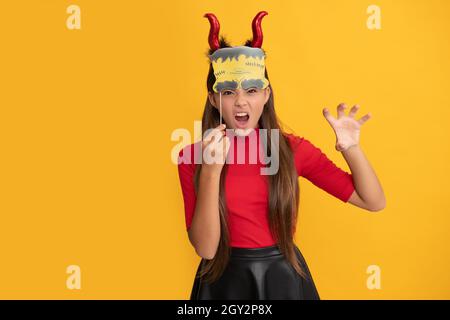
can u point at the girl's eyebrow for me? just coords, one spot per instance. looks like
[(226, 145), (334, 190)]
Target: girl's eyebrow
[(234, 90)]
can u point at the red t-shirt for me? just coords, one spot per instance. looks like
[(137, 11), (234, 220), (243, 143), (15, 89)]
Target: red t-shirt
[(246, 189)]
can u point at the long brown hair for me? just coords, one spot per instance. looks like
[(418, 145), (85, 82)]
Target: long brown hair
[(283, 188)]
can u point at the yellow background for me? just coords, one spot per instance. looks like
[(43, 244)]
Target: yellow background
[(86, 119)]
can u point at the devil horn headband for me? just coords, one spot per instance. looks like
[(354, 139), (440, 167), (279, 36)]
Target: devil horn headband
[(213, 38)]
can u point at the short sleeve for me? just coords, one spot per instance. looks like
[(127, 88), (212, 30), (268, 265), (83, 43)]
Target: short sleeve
[(186, 170), (312, 164)]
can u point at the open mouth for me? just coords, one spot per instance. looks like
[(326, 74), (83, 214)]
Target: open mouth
[(241, 118)]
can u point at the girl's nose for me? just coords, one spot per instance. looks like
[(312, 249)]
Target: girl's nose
[(240, 98)]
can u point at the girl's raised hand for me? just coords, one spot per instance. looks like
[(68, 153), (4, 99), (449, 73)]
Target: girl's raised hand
[(346, 128), (215, 148)]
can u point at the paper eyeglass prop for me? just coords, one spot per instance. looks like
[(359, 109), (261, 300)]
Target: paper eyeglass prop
[(240, 66)]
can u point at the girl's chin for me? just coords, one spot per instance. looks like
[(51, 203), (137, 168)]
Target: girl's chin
[(242, 132), (240, 128)]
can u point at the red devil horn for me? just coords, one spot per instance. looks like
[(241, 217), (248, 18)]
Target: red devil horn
[(213, 38), (257, 31)]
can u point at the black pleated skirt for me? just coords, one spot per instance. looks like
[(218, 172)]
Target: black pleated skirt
[(257, 274)]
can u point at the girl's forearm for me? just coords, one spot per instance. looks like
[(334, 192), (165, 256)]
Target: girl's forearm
[(205, 227), (365, 180)]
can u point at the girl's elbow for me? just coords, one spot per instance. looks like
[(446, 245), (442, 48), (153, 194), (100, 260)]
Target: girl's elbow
[(378, 206), (206, 254), (205, 245)]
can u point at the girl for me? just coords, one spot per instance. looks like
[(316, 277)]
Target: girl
[(242, 222)]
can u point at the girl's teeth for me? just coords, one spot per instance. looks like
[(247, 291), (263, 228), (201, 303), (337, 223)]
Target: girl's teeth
[(242, 117)]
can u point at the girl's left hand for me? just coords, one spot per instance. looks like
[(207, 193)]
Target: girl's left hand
[(346, 128)]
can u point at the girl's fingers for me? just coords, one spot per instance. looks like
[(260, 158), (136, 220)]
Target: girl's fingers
[(213, 141), (214, 132), (340, 110), (217, 135), (353, 111), (328, 116), (219, 148), (365, 118), (216, 139), (226, 146)]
